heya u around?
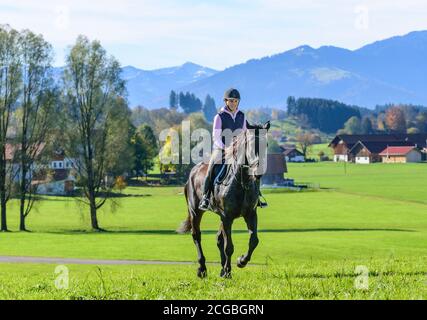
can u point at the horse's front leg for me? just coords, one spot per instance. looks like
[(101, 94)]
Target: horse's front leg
[(197, 238), (228, 247), (220, 244), (252, 223)]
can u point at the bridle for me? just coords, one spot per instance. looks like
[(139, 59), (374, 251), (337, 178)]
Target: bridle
[(243, 166)]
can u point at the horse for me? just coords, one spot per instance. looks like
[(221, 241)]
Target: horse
[(235, 196)]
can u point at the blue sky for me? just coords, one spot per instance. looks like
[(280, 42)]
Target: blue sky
[(152, 34)]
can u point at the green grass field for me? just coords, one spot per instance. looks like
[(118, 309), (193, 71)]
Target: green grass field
[(310, 242)]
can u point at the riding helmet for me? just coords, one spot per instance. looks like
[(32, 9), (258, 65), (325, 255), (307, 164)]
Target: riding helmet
[(232, 94)]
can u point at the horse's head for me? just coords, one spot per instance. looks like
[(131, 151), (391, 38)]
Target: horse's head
[(256, 148)]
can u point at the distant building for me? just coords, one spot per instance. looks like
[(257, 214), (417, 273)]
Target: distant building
[(401, 154), (345, 149), (59, 177), (276, 168), (293, 155), (369, 152)]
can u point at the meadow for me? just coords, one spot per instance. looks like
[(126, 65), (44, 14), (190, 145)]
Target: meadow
[(311, 242)]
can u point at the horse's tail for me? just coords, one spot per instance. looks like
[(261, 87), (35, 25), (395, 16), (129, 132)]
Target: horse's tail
[(185, 225)]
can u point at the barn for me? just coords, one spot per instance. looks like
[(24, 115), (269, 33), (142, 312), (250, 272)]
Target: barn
[(401, 154), (276, 168), (345, 149)]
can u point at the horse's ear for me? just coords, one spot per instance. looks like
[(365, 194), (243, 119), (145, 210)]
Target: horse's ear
[(266, 125), (249, 126)]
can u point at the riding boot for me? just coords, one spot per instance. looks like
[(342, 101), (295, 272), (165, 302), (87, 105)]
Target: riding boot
[(205, 202)]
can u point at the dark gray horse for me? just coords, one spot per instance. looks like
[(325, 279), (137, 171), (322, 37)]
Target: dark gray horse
[(236, 196)]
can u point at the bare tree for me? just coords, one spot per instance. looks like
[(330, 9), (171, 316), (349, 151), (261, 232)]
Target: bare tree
[(35, 114), (305, 141), (10, 80), (93, 89)]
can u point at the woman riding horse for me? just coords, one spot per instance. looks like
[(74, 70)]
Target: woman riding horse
[(236, 196), (229, 118)]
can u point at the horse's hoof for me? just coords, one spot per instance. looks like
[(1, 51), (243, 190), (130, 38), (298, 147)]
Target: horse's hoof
[(241, 262), (225, 275), (202, 273)]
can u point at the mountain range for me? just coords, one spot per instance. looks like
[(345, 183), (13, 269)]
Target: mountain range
[(393, 70)]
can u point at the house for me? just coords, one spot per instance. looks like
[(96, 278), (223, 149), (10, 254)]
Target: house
[(401, 154), (276, 168), (369, 152), (12, 160), (343, 144), (293, 155), (60, 176)]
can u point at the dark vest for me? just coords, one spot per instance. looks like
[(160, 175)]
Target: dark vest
[(228, 122)]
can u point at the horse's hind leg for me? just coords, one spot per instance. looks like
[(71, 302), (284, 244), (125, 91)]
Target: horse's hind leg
[(251, 222), (197, 238)]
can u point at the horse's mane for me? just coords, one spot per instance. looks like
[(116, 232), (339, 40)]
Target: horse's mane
[(238, 140)]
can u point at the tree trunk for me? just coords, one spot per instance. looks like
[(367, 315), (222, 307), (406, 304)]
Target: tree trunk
[(3, 197), (3, 211), (22, 198), (22, 214), (93, 216)]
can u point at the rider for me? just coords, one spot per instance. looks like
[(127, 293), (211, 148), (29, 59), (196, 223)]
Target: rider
[(229, 117)]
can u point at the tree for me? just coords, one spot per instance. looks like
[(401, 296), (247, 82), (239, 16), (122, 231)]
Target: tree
[(421, 121), (190, 103), (273, 146), (291, 106), (395, 120), (277, 114), (120, 132), (145, 146), (10, 86), (413, 130), (93, 89), (120, 183), (35, 114), (305, 142), (366, 126), (173, 100), (209, 108), (353, 126)]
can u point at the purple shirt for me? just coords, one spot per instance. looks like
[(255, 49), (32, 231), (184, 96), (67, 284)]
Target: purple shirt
[(217, 128)]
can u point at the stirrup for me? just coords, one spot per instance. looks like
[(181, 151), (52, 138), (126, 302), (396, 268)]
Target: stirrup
[(261, 204)]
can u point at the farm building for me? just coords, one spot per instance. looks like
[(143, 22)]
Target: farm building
[(401, 154), (276, 168), (343, 145), (58, 178), (292, 154), (369, 152)]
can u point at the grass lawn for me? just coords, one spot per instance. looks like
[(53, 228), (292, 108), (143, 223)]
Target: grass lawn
[(310, 242)]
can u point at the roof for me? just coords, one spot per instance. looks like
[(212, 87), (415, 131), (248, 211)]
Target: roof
[(35, 149), (377, 147), (289, 151), (351, 139), (397, 151)]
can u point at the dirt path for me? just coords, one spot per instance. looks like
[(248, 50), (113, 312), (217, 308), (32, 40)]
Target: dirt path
[(11, 259)]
